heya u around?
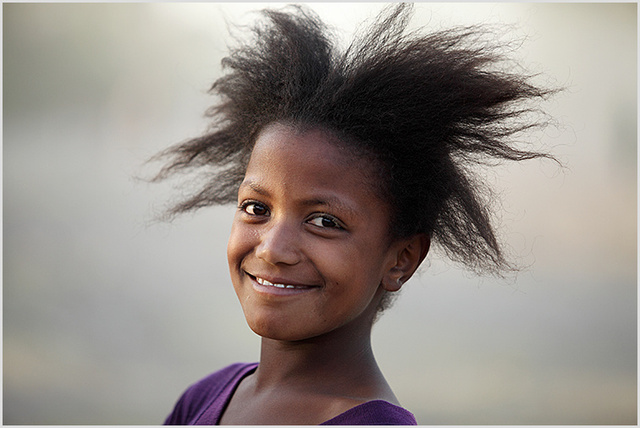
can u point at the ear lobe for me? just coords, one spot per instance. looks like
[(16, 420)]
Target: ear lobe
[(410, 254)]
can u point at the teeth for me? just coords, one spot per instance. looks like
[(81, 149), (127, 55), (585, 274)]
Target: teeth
[(265, 282)]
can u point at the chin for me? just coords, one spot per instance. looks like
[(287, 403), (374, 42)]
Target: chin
[(274, 332), (269, 327)]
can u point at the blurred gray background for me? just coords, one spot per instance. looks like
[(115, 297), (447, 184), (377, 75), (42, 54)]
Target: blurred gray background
[(110, 315)]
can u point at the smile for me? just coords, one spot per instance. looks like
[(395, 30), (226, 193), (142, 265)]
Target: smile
[(279, 286), (262, 281)]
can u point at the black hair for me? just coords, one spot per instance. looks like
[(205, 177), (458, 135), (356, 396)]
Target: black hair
[(427, 107)]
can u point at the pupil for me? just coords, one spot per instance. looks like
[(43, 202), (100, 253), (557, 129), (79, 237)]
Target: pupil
[(327, 222)]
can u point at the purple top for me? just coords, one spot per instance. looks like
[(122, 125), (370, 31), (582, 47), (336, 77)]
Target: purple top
[(203, 403)]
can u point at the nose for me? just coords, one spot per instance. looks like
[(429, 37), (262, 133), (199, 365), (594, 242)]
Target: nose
[(279, 244)]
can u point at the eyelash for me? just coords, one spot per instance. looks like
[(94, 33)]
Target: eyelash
[(246, 204), (337, 224)]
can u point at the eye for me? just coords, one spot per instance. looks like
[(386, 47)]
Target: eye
[(326, 221), (254, 208)]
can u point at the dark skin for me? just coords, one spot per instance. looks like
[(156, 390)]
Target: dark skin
[(307, 383), (310, 220)]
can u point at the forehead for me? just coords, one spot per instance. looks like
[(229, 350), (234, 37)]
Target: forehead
[(311, 164), (284, 138), (307, 154)]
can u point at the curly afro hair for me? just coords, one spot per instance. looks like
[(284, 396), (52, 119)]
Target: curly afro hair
[(426, 108)]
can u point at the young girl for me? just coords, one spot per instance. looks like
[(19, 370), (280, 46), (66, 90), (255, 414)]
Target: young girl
[(346, 168)]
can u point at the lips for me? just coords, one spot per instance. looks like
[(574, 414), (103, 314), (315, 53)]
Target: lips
[(271, 284), (279, 283)]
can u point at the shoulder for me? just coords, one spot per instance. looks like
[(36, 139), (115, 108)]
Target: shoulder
[(202, 394), (377, 412)]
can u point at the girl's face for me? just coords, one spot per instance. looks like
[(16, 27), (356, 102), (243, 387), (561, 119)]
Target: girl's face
[(309, 247)]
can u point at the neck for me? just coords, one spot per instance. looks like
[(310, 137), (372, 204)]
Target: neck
[(339, 361)]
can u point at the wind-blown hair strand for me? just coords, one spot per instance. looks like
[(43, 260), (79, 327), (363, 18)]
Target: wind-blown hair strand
[(425, 108)]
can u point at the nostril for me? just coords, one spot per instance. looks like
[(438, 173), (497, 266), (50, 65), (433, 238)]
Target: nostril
[(278, 246)]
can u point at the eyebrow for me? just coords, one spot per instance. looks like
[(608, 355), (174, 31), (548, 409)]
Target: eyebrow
[(325, 200), (331, 202), (255, 187)]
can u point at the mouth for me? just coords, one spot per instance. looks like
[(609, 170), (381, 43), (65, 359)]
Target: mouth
[(278, 286)]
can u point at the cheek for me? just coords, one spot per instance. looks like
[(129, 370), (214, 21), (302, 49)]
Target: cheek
[(239, 244), (354, 272), (353, 259)]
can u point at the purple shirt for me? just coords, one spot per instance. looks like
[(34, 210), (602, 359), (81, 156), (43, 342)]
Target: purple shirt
[(203, 403)]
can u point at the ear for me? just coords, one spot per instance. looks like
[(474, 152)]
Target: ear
[(408, 254)]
